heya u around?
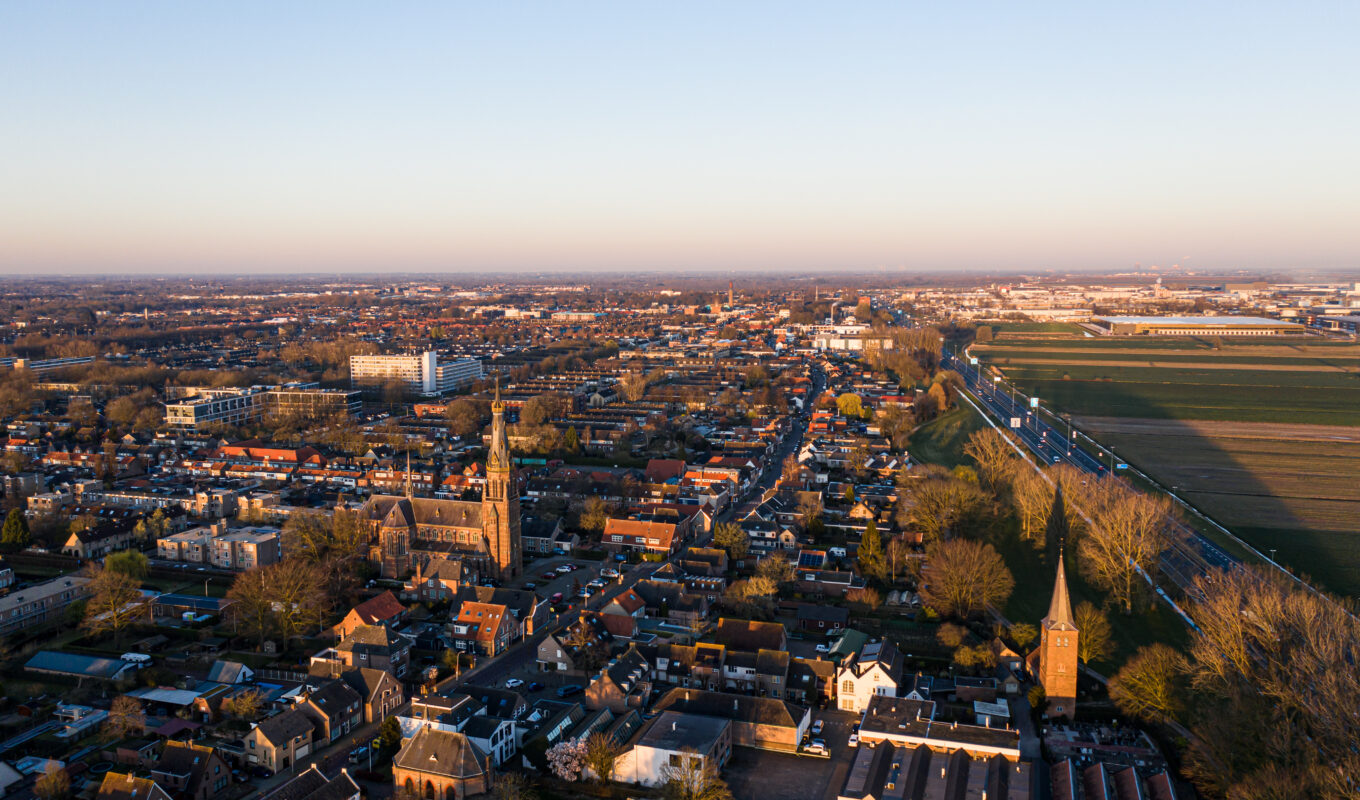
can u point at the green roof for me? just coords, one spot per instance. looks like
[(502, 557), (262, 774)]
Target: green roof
[(850, 643)]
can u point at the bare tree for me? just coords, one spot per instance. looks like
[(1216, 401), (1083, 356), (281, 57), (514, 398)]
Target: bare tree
[(730, 537), (126, 717), (963, 577), (995, 457), (54, 784), (1127, 539), (245, 705), (1151, 685), (1031, 498), (1094, 641), (601, 756), (115, 603), (938, 503), (693, 777)]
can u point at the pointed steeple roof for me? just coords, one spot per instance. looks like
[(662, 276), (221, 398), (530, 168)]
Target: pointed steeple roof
[(498, 457), (1060, 616)]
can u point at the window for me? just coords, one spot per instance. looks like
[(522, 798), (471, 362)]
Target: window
[(676, 761), (848, 687)]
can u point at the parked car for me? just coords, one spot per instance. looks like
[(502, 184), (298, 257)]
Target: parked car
[(597, 584), (514, 683), (564, 569), (531, 586), (817, 727), (853, 741), (609, 572), (549, 576), (824, 648), (535, 686), (570, 689), (358, 754), (816, 747)]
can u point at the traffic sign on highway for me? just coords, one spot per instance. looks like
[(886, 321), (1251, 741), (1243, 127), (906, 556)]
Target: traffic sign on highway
[(1015, 422), (972, 359), (1034, 402)]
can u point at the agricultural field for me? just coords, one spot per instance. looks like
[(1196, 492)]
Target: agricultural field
[(1264, 437)]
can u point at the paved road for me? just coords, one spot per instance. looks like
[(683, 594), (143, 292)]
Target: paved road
[(1189, 553)]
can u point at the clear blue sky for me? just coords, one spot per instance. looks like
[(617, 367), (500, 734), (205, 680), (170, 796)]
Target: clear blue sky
[(207, 137)]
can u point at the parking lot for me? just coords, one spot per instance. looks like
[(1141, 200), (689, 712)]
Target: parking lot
[(546, 580)]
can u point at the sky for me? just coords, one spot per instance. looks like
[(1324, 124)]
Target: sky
[(486, 137)]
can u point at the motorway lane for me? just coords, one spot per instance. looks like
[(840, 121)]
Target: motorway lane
[(1190, 553)]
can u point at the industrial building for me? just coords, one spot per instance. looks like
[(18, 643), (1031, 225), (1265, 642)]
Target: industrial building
[(1194, 326)]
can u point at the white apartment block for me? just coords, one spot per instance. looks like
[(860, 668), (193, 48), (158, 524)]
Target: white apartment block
[(422, 373)]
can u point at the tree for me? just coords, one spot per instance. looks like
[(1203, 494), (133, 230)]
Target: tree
[(594, 515), (512, 786), (850, 405), (284, 599), (571, 441), (693, 777), (15, 535), (1125, 541), (951, 635), (126, 717), (939, 398), (991, 450), (244, 705), (1024, 634), (809, 508), (567, 759), (115, 603), (389, 736), (866, 598), (463, 416), (1031, 500), (54, 784), (964, 577), (730, 537), (872, 561), (898, 550), (634, 386), (938, 502), (601, 755), (775, 569), (1094, 633), (129, 562), (1150, 686), (790, 469)]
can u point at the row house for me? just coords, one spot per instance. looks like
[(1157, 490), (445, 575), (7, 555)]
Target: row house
[(657, 538), (482, 628)]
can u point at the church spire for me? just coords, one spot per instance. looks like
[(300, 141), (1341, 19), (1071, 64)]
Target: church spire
[(409, 491), (498, 456), (1060, 608)]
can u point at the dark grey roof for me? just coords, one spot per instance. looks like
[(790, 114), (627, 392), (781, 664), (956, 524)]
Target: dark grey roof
[(281, 728), (441, 753), (311, 784), (736, 707)]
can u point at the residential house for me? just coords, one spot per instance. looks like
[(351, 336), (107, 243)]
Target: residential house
[(828, 620), (124, 786), (751, 634), (334, 707), (673, 603), (657, 538), (578, 648), (373, 646), (278, 742), (441, 765), (526, 608), (438, 579), (622, 612), (381, 694), (624, 683), (191, 770), (875, 671), (384, 609), (312, 784), (99, 540), (760, 722), (482, 628), (668, 740)]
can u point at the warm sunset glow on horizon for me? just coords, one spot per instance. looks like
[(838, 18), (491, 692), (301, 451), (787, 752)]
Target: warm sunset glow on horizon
[(610, 136)]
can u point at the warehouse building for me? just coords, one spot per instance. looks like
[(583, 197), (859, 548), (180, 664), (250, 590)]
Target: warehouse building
[(1194, 326)]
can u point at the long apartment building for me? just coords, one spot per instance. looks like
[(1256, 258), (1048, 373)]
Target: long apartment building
[(240, 548), (198, 407), (35, 605), (422, 373)]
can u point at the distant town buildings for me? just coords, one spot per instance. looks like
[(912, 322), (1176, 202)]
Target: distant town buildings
[(421, 373)]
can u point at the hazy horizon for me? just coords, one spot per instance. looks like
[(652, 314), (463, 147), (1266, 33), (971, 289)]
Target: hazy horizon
[(624, 138)]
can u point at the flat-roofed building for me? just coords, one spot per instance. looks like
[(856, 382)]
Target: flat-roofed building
[(1195, 326), (668, 740), (34, 605), (421, 373)]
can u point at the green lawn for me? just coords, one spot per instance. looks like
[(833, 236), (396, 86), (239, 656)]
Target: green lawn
[(941, 440)]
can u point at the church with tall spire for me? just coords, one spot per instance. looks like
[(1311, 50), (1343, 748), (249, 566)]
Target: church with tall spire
[(484, 536), (1054, 662)]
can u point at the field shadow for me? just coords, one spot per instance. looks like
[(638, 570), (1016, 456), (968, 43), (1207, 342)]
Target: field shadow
[(1276, 492)]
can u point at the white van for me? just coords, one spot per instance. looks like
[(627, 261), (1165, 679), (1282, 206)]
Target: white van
[(136, 658)]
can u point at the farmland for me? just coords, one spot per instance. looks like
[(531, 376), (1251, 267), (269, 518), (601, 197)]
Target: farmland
[(1264, 437)]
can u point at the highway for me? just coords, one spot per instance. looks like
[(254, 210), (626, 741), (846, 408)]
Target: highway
[(1189, 554)]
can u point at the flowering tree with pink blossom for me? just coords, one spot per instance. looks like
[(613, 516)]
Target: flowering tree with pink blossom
[(567, 759)]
